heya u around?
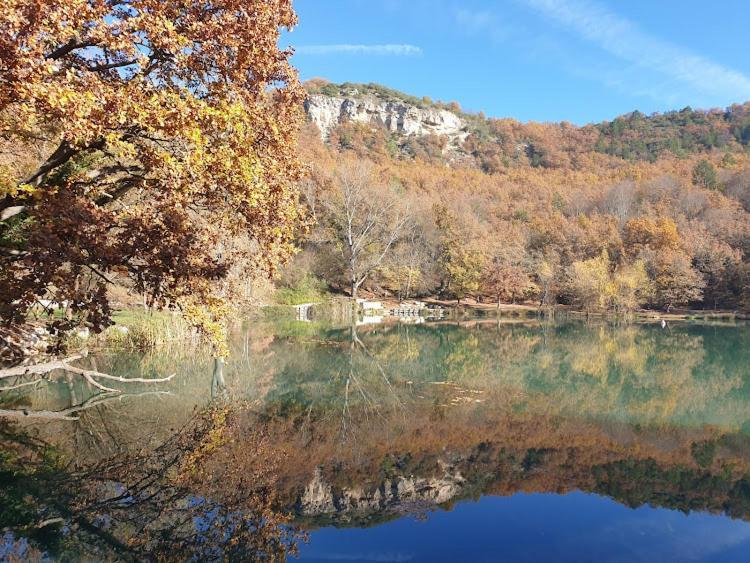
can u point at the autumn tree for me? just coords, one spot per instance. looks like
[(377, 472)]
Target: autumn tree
[(630, 287), (720, 266), (589, 281), (547, 272), (675, 281), (597, 284), (165, 131), (404, 270), (461, 259), (363, 220), (646, 233), (463, 266), (507, 281)]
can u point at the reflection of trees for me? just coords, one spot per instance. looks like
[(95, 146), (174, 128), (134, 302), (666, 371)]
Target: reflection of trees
[(509, 407), (687, 374), (361, 378), (218, 385), (639, 372), (638, 482), (491, 450), (182, 499), (22, 379)]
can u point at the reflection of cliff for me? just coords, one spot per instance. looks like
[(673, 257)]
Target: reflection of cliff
[(438, 455), (394, 495), (497, 470)]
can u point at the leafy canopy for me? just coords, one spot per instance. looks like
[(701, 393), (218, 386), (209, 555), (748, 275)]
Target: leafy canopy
[(159, 146)]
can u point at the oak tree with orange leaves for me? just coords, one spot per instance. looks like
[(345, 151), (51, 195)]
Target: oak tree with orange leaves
[(140, 139)]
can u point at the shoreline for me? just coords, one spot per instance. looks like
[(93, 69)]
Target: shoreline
[(527, 309)]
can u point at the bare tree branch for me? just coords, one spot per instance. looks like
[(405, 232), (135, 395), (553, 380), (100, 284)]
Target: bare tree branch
[(366, 219), (68, 413), (69, 47)]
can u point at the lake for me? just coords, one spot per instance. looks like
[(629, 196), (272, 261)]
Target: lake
[(472, 440)]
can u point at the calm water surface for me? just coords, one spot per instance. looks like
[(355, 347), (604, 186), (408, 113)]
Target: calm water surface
[(475, 441)]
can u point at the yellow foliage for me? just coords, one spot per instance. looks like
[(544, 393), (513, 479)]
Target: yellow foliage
[(595, 286), (166, 133)]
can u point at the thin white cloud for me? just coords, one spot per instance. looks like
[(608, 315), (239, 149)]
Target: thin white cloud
[(623, 39), (484, 22), (474, 21), (389, 49)]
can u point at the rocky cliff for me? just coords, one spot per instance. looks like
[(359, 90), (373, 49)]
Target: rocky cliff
[(398, 117)]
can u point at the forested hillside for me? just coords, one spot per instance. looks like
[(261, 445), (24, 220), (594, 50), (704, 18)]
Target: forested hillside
[(641, 211)]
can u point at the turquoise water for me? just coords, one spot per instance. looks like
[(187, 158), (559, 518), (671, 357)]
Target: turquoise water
[(474, 440)]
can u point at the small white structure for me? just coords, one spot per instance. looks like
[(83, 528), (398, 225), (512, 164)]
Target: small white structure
[(408, 309), (302, 311), (372, 306), (49, 304)]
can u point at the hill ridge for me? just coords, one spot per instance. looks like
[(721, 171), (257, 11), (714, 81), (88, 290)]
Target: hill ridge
[(494, 142)]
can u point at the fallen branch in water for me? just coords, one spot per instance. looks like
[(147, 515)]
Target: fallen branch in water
[(71, 412), (117, 377), (37, 369), (90, 376), (25, 384), (25, 413)]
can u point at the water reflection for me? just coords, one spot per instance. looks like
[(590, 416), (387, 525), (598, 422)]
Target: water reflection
[(352, 426), (180, 500)]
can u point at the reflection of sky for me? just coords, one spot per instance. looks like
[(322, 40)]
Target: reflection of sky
[(540, 527), (13, 548)]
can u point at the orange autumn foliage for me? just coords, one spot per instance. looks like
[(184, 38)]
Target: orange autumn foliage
[(166, 133)]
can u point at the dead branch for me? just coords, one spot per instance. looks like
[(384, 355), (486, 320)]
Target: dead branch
[(37, 369), (18, 386), (70, 413), (89, 375), (25, 413), (92, 373)]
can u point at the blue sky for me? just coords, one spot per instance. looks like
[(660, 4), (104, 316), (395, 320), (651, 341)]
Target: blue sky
[(542, 60)]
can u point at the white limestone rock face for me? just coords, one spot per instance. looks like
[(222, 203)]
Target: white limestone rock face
[(396, 493), (326, 112), (318, 496)]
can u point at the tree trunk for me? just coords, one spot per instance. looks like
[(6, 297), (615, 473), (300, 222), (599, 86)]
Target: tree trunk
[(218, 386), (353, 282)]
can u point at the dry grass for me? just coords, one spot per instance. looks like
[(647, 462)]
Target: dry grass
[(143, 330)]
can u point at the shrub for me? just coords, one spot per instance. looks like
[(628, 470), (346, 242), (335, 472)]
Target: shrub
[(309, 289), (143, 330)]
